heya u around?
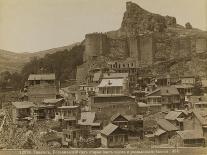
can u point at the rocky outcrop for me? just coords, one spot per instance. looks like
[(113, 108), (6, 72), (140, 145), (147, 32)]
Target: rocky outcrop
[(146, 37), (137, 20)]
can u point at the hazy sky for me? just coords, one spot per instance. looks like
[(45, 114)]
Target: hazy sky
[(34, 25)]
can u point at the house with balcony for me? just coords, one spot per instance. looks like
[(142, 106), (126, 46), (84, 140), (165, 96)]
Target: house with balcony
[(189, 138), (106, 106), (131, 123), (112, 136), (68, 117), (41, 86), (89, 125), (177, 118), (48, 108), (113, 87), (199, 122), (168, 97), (22, 111), (189, 80)]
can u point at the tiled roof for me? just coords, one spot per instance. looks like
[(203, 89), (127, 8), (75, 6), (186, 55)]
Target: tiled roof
[(127, 117), (171, 90), (49, 101), (190, 134), (159, 132), (201, 116), (115, 116), (111, 83), (184, 86), (165, 91), (23, 105), (88, 118), (110, 128), (67, 107), (173, 115), (115, 75), (166, 125), (41, 77), (134, 118)]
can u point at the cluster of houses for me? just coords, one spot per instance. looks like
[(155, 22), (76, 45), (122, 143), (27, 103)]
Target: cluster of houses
[(106, 112)]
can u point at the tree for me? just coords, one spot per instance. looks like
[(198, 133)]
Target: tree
[(188, 25)]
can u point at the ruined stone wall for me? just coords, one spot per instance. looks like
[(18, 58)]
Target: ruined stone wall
[(118, 48), (141, 48), (185, 47), (82, 73), (201, 45), (95, 44), (146, 50), (134, 48), (181, 47)]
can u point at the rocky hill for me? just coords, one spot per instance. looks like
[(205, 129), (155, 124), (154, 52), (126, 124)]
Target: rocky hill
[(10, 61), (153, 40)]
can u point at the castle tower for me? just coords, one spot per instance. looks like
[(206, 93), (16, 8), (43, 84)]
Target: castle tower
[(96, 44)]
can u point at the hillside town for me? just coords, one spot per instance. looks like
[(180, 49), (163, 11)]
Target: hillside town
[(133, 102)]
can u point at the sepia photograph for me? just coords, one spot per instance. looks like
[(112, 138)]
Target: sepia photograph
[(93, 77)]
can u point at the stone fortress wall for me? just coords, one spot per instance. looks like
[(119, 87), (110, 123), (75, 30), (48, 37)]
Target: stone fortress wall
[(96, 44), (142, 41)]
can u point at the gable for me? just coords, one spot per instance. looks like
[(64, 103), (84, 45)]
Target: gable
[(182, 115), (155, 93), (120, 118)]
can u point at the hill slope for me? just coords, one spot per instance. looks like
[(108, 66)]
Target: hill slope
[(10, 61)]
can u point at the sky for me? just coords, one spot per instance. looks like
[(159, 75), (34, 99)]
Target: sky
[(35, 25)]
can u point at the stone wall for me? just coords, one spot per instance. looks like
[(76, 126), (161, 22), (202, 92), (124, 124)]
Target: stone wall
[(95, 44), (118, 48), (201, 45), (146, 50), (134, 48)]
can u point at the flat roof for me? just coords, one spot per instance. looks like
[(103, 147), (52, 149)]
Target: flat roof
[(67, 107), (41, 77), (54, 100), (23, 105), (111, 83)]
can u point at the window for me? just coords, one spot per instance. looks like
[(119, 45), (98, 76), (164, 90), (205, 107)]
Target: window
[(99, 109), (110, 139), (116, 138), (74, 134), (69, 123), (67, 136)]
